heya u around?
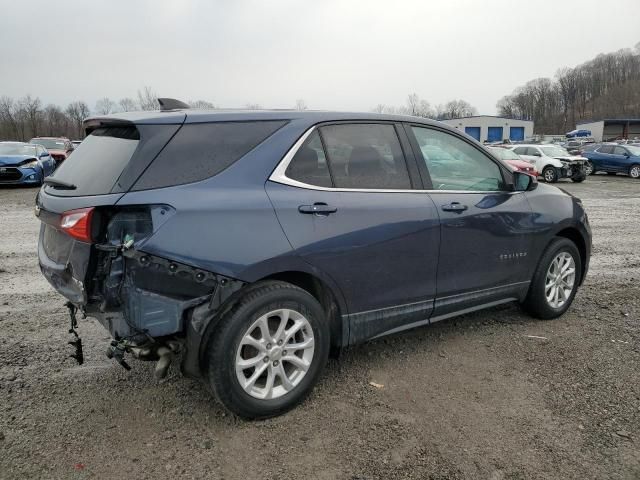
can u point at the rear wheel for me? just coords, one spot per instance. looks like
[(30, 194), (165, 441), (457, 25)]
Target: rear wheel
[(634, 171), (268, 352), (550, 174), (555, 280)]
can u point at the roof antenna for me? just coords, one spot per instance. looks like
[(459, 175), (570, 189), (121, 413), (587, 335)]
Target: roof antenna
[(171, 104)]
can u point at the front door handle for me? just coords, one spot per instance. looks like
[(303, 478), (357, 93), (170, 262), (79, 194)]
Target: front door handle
[(317, 209), (454, 207)]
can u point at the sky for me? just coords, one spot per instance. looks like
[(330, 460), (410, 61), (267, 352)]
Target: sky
[(348, 55)]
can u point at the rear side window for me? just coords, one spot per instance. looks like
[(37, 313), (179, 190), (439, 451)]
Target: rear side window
[(520, 150), (365, 156), (309, 165), (202, 150), (98, 161), (606, 149)]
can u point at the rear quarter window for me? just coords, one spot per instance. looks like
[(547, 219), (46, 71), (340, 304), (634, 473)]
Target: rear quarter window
[(202, 150)]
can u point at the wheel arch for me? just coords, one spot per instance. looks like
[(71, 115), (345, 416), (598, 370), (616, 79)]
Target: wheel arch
[(576, 237), (326, 296)]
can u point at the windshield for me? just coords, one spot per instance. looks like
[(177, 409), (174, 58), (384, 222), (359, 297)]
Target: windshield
[(17, 150), (505, 154), (553, 151), (635, 151), (50, 143)]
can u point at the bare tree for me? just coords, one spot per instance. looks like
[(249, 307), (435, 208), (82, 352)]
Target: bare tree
[(201, 104), (105, 106), (128, 105), (456, 109), (300, 104), (77, 112), (147, 99)]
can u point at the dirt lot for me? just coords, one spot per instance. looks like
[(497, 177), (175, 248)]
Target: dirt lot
[(476, 397)]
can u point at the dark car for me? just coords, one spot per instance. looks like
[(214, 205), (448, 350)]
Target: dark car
[(24, 164), (613, 158), (251, 244), (59, 147)]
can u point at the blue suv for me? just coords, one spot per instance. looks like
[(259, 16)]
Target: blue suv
[(613, 158), (252, 244)]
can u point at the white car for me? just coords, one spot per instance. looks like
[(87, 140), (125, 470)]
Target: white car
[(553, 162)]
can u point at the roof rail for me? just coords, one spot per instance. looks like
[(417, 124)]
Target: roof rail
[(171, 104)]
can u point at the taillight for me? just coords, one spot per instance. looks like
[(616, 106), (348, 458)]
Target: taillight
[(77, 223)]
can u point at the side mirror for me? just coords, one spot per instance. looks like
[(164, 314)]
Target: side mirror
[(523, 182), (536, 154), (44, 154)]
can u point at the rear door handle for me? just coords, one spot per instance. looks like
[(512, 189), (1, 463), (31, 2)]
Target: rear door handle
[(317, 209), (454, 207)]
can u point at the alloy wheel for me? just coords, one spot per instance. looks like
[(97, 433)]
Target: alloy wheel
[(560, 279), (274, 354), (549, 175), (634, 171), (588, 168)]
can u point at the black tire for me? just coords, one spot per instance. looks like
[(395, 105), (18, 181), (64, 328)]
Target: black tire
[(550, 174), (590, 168), (634, 170), (579, 179), (536, 303), (221, 352)]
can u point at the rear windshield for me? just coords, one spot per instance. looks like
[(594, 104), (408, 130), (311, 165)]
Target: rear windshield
[(95, 164)]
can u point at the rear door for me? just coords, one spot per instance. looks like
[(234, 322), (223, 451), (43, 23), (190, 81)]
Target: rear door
[(347, 200), (484, 243)]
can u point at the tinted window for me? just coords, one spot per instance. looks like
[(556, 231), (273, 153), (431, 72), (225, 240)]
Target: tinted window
[(309, 165), (606, 149), (455, 164), (365, 156), (95, 165), (533, 151), (202, 150), (521, 150)]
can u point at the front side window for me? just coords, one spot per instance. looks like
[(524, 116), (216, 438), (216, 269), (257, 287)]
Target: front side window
[(455, 164), (365, 156), (309, 164), (553, 151), (619, 151)]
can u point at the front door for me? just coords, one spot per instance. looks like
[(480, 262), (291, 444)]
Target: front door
[(484, 245), (347, 204)]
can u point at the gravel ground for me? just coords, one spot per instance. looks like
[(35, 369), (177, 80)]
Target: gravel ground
[(493, 395)]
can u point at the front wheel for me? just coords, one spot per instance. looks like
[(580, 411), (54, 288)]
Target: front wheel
[(589, 169), (555, 281), (579, 179), (268, 351), (634, 171), (550, 174)]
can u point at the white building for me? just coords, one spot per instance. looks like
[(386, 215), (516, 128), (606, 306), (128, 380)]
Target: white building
[(493, 129), (612, 129)]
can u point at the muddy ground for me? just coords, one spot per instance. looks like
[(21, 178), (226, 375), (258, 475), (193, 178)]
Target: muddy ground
[(475, 397)]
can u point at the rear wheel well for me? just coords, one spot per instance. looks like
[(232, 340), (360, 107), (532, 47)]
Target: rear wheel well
[(321, 292), (574, 235)]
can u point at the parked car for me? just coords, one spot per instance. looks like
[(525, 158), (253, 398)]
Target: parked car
[(254, 243), (59, 148), (76, 143), (23, 163), (514, 160), (613, 158), (553, 162)]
